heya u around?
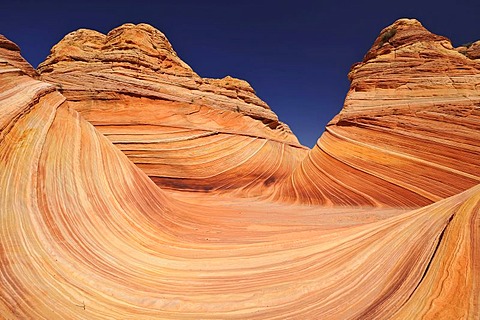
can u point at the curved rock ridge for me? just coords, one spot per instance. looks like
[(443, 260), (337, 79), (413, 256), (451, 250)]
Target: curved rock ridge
[(85, 234), (184, 131), (10, 52), (409, 132)]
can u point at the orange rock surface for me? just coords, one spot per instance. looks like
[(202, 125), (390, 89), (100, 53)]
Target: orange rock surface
[(86, 234), (408, 134), (184, 131), (10, 53)]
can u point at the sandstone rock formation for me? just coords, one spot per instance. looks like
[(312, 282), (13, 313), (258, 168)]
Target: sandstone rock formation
[(408, 134), (471, 50), (86, 234), (184, 131), (412, 92), (10, 53)]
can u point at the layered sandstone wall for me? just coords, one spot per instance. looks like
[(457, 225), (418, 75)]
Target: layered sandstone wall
[(184, 131), (85, 234), (408, 134)]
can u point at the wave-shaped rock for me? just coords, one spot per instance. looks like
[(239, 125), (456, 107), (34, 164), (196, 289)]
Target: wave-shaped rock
[(184, 131), (412, 93), (86, 234), (408, 134)]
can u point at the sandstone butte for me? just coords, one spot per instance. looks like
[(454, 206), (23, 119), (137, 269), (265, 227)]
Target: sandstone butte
[(184, 131), (101, 148)]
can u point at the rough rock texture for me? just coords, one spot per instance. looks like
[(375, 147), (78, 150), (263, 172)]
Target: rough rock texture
[(11, 62), (184, 131), (412, 93), (85, 234), (10, 52), (408, 134), (471, 50)]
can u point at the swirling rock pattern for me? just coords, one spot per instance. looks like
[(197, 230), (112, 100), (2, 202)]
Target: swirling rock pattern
[(86, 234), (184, 131), (10, 54), (408, 134)]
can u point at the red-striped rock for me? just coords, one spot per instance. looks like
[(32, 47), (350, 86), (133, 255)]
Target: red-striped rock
[(85, 234), (408, 133), (184, 131), (10, 52)]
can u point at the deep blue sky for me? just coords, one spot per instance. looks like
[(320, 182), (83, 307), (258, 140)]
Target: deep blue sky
[(295, 54)]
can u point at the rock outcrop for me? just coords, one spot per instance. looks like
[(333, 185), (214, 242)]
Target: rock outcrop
[(408, 134), (471, 50), (10, 53), (86, 234), (413, 92), (184, 131)]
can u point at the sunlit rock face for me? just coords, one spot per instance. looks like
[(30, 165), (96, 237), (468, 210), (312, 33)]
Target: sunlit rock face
[(408, 133), (412, 94), (184, 131), (10, 53), (86, 234)]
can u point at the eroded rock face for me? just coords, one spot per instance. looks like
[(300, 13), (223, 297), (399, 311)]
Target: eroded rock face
[(408, 133), (412, 93), (10, 53), (184, 131), (85, 234), (471, 50)]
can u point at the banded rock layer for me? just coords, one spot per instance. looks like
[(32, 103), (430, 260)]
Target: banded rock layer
[(412, 94), (408, 134), (184, 131), (85, 234)]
